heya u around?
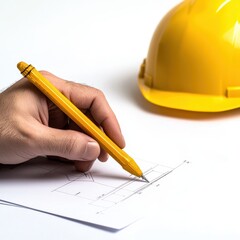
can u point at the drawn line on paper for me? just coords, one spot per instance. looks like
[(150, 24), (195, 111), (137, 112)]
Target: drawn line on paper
[(97, 189), (105, 195), (146, 185)]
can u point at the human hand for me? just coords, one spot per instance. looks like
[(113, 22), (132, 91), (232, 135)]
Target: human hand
[(31, 125)]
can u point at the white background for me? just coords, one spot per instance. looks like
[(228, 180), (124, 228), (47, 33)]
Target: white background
[(102, 44)]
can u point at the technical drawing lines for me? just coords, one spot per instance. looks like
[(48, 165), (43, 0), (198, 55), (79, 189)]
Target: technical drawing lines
[(134, 187), (100, 193), (129, 189), (105, 195)]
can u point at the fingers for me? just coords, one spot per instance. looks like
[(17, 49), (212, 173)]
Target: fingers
[(67, 144), (38, 125), (93, 103), (83, 166), (93, 100)]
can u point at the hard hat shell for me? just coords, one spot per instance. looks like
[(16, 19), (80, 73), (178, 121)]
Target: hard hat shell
[(193, 62)]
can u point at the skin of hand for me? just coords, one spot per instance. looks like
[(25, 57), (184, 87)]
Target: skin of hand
[(31, 125)]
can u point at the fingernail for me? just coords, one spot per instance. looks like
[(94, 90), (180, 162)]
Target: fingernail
[(92, 151)]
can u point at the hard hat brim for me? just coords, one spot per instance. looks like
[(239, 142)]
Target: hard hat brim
[(188, 101)]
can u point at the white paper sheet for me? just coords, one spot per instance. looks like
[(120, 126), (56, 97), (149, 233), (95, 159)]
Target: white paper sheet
[(106, 195)]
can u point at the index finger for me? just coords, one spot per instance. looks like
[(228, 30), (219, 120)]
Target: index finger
[(93, 100)]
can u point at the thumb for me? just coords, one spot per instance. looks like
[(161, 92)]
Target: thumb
[(69, 144)]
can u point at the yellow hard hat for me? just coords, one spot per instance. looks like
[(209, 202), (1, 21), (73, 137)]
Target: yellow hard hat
[(193, 62)]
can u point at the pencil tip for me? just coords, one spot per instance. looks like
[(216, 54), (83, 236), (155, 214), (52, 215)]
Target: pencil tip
[(144, 178)]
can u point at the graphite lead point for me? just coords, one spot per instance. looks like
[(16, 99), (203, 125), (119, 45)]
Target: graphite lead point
[(144, 178)]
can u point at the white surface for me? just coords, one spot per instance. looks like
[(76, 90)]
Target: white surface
[(106, 195), (102, 43)]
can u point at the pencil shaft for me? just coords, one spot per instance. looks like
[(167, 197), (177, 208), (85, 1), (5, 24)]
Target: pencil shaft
[(79, 118)]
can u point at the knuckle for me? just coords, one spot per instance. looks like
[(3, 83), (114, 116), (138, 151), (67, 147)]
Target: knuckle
[(99, 93), (69, 88), (74, 148), (69, 148), (45, 73)]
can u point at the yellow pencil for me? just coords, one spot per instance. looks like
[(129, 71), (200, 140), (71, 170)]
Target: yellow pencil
[(47, 88)]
